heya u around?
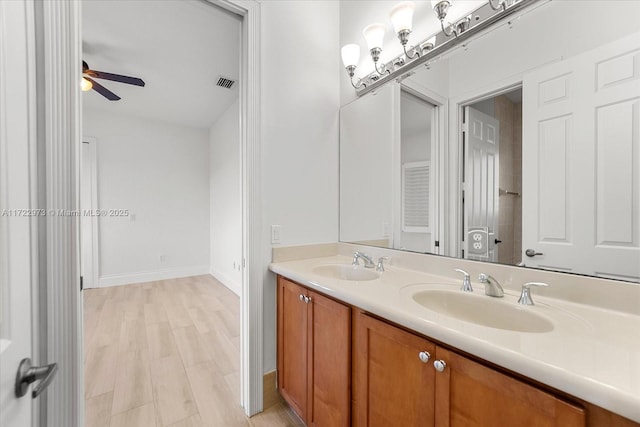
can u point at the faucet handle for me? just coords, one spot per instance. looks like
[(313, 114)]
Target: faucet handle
[(356, 256), (525, 295), (466, 281), (380, 266)]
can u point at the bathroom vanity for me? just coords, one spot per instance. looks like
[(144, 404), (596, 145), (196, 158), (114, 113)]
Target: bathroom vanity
[(359, 347)]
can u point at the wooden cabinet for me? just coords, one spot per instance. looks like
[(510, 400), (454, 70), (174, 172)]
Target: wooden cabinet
[(292, 346), (393, 386), (470, 394), (314, 355), (395, 382)]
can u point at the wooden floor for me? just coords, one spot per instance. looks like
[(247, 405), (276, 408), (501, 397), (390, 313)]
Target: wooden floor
[(166, 353)]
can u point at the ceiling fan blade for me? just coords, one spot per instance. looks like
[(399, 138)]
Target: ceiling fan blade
[(116, 78), (103, 90)]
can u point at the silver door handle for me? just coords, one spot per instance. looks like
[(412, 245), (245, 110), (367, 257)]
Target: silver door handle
[(28, 374), (531, 253)]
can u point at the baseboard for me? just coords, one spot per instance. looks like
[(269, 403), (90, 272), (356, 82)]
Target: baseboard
[(150, 276), (234, 286), (270, 395)]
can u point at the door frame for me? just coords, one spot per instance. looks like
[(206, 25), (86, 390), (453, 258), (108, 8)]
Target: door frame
[(60, 36), (456, 129), (438, 161), (94, 255)]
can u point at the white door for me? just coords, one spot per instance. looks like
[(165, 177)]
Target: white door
[(18, 239), (581, 178), (482, 142)]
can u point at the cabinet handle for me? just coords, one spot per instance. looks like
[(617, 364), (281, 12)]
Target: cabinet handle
[(307, 299), (439, 365), (424, 356), (302, 297)]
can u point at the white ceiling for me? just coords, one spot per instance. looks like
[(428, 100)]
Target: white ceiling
[(178, 47)]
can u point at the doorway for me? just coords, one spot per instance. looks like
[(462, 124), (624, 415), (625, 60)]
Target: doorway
[(417, 228), (157, 313), (492, 178), (62, 104)]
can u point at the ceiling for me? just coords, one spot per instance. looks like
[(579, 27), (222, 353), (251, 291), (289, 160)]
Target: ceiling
[(178, 47)]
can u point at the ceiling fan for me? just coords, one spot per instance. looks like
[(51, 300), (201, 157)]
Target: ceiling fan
[(88, 82)]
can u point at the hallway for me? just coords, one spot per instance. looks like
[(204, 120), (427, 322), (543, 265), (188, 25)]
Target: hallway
[(166, 353)]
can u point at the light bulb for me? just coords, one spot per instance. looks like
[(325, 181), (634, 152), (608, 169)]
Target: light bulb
[(402, 15), (374, 34), (85, 85), (350, 54)]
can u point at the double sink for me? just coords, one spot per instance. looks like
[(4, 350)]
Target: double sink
[(447, 300)]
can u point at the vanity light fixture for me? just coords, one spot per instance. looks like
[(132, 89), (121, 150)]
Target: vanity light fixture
[(401, 17), (374, 35), (501, 4), (488, 14), (350, 57), (441, 7)]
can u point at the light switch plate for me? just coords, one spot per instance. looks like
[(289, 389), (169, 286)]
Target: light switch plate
[(275, 234)]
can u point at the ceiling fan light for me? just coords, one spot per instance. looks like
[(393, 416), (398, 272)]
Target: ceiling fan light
[(86, 85)]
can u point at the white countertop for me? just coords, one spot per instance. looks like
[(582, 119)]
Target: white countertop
[(592, 353)]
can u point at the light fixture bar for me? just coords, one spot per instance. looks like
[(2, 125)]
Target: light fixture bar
[(402, 65)]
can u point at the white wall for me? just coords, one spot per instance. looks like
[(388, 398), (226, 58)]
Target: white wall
[(300, 101), (160, 173), (366, 166), (225, 199), (569, 29)]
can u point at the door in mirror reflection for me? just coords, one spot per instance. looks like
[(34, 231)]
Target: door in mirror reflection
[(388, 169), (415, 231), (582, 176), (481, 175)]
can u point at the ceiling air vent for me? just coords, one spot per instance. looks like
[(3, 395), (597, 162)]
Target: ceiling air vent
[(225, 82)]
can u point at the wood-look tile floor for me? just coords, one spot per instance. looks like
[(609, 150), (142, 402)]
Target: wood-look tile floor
[(166, 353)]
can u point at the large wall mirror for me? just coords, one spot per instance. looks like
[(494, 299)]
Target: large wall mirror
[(520, 147)]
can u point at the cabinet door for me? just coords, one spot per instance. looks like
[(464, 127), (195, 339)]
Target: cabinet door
[(330, 362), (292, 345), (470, 394), (393, 386)]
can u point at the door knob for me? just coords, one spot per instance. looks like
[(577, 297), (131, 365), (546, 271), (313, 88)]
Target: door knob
[(531, 253), (28, 374), (497, 241), (424, 356)]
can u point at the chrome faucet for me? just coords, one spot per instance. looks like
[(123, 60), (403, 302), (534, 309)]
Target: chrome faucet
[(368, 262), (466, 281), (380, 266), (525, 295), (491, 286)]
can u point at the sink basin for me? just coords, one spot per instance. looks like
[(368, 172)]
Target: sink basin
[(346, 272), (483, 310)]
